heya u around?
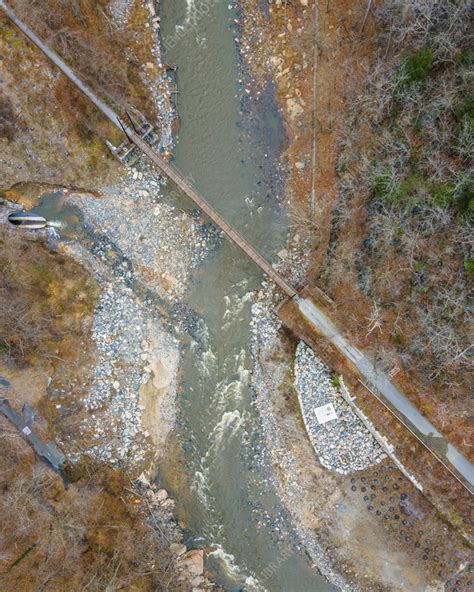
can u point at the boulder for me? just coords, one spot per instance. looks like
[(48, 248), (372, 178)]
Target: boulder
[(193, 561)]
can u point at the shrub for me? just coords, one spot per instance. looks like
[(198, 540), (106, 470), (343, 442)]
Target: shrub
[(414, 190), (7, 118), (36, 286), (465, 58), (469, 267), (465, 200), (418, 266), (443, 196), (465, 108), (465, 145), (416, 68)]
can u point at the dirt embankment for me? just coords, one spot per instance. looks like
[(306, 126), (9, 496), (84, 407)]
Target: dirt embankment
[(49, 136), (318, 61)]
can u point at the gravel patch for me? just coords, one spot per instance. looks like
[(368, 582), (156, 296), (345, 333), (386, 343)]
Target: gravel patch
[(124, 333), (344, 445), (119, 10)]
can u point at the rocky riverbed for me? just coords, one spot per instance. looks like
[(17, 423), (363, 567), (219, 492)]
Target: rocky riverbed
[(284, 435), (131, 344), (159, 243), (141, 251)]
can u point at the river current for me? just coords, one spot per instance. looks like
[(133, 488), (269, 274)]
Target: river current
[(229, 502)]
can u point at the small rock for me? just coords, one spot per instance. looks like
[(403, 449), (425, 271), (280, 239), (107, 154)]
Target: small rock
[(168, 503), (161, 495), (294, 108)]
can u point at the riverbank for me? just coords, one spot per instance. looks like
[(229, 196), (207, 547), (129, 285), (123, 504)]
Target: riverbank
[(362, 241), (115, 403), (363, 528), (43, 368), (279, 43)]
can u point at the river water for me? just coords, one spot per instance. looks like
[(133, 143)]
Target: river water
[(228, 501)]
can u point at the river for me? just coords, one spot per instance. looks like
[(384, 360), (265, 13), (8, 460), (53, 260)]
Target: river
[(229, 502)]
